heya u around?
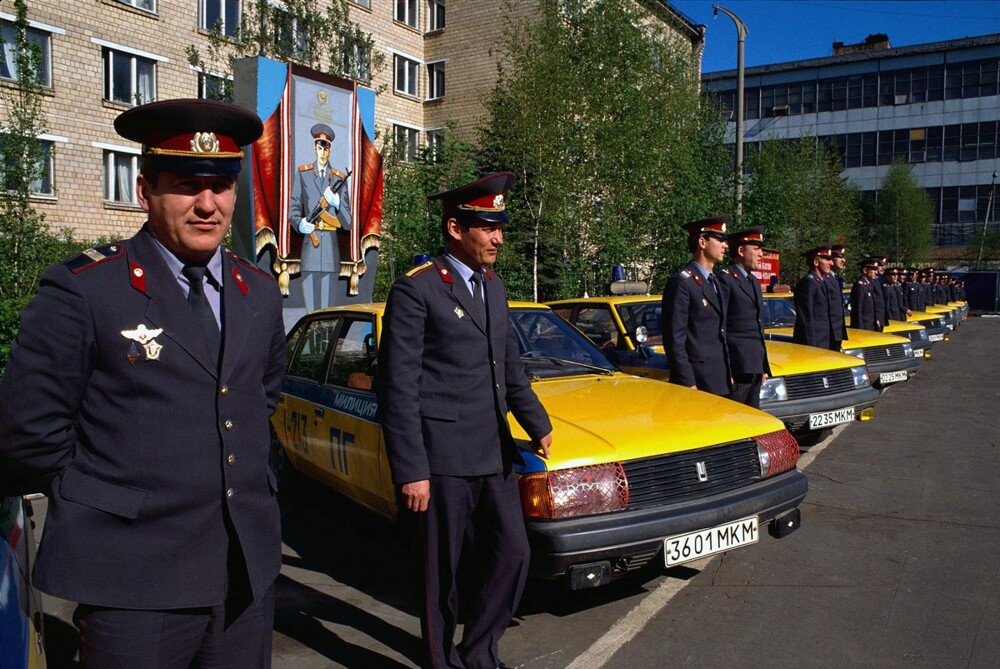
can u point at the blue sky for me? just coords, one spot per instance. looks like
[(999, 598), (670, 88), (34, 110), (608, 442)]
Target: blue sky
[(783, 30)]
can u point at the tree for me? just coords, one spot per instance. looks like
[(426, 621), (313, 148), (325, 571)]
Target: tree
[(901, 229), (796, 191), (26, 245), (597, 112), (292, 31)]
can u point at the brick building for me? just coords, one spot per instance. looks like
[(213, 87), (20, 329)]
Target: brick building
[(99, 56)]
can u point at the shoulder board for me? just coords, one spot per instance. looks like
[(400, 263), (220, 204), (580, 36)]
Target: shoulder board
[(489, 275), (686, 274), (249, 265), (338, 173), (731, 272), (420, 269), (95, 256), (306, 168)]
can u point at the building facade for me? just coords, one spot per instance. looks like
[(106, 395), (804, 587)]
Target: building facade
[(935, 106), (99, 57)]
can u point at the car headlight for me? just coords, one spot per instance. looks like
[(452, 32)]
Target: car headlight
[(641, 334), (578, 491), (773, 390), (860, 376), (856, 352), (908, 350), (778, 452), (922, 334)]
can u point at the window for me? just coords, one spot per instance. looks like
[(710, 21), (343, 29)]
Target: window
[(120, 171), (435, 143), (406, 143), (435, 15), (128, 78), (406, 12), (406, 76), (148, 5), (367, 4), (292, 38), (435, 80), (309, 359), (223, 14), (355, 59), (42, 185), (353, 355), (215, 87), (598, 324), (39, 38)]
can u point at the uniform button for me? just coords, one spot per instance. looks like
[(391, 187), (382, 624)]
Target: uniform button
[(224, 390), (230, 493), (228, 424), (231, 459)]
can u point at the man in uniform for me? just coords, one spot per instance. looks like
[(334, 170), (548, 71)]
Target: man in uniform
[(322, 190), (137, 397), (864, 314), (895, 305), (744, 302), (835, 286), (694, 313), (815, 324), (839, 254), (450, 370)]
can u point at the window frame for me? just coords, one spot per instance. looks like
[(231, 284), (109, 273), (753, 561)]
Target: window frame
[(133, 5), (435, 80), (436, 15), (412, 142), (407, 13), (111, 189), (412, 72), (225, 29), (44, 34)]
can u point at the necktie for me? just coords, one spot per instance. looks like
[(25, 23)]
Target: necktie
[(711, 281), (477, 295), (202, 310), (754, 287)]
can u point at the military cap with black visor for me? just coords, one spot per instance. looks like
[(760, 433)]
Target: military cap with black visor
[(483, 201), (713, 226)]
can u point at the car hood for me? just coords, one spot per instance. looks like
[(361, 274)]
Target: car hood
[(787, 359), (855, 338), (592, 424)]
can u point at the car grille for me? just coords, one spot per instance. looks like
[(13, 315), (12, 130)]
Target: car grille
[(818, 384), (668, 479), (884, 353)]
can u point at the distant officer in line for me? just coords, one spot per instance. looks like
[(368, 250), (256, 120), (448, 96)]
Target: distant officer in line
[(744, 302), (450, 370), (838, 253), (895, 304), (835, 286), (915, 298), (137, 397), (864, 314), (926, 279), (941, 289), (815, 324), (878, 293), (694, 313)]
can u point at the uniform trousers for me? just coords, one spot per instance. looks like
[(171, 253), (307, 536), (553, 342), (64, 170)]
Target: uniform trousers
[(200, 637), (746, 389), (476, 522)]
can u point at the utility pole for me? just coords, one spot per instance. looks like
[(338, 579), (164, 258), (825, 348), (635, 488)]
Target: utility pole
[(741, 36)]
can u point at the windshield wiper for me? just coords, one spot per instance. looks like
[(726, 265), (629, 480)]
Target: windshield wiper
[(534, 355)]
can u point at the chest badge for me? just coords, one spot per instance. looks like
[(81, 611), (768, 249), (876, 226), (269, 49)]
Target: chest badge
[(147, 339), (459, 312), (704, 301)]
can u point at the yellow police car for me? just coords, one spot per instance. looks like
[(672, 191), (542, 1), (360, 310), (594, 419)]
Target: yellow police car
[(922, 331), (809, 389), (641, 472), (889, 358)]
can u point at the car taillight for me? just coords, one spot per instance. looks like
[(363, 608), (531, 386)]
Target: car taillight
[(778, 452), (579, 491)]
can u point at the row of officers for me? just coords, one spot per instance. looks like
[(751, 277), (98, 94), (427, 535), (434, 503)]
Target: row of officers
[(712, 320)]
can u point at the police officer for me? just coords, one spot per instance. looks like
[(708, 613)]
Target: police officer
[(694, 313), (815, 323), (835, 286), (450, 370), (744, 302), (839, 254), (864, 313), (137, 397), (894, 302), (878, 293)]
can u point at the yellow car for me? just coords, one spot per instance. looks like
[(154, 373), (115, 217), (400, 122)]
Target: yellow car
[(889, 358), (809, 389), (933, 328), (641, 471)]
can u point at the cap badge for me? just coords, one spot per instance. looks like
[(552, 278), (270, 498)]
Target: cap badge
[(205, 142), (498, 202), (459, 312)]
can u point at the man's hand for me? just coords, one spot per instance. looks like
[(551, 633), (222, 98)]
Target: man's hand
[(305, 227), (331, 198), (541, 446), (416, 494)]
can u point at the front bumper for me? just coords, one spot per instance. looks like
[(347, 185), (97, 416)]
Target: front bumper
[(795, 413), (629, 540)]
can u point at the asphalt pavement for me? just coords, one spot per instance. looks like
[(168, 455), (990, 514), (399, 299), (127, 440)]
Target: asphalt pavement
[(897, 562)]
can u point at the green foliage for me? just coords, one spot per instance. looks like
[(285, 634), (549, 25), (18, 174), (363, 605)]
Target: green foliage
[(295, 31), (600, 118), (796, 191), (903, 216)]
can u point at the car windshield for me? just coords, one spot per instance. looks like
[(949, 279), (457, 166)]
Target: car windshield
[(778, 311), (643, 314), (551, 347)]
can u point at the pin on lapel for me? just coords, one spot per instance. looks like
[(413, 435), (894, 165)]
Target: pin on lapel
[(147, 338), (459, 312), (704, 301)]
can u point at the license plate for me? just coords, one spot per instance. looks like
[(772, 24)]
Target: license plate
[(918, 353), (693, 545), (892, 377), (828, 418), (936, 337)]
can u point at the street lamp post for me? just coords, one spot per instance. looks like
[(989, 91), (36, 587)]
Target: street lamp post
[(741, 36), (986, 222)]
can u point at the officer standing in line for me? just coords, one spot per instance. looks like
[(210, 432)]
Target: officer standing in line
[(450, 370), (744, 302), (864, 310), (815, 324), (694, 313), (926, 281), (838, 253), (878, 293), (137, 397), (895, 306), (835, 285)]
